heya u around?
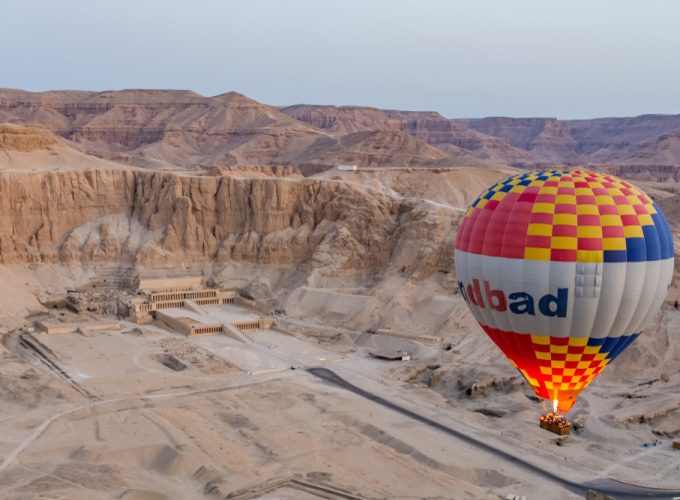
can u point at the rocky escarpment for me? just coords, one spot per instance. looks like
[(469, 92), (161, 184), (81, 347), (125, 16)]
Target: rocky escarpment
[(640, 140), (663, 150), (166, 127), (341, 120), (183, 130), (604, 138), (24, 139), (375, 149), (156, 220), (430, 127)]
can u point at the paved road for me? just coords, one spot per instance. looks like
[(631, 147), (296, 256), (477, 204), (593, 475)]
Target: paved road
[(604, 485)]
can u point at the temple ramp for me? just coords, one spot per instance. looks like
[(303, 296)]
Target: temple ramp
[(235, 333), (193, 306)]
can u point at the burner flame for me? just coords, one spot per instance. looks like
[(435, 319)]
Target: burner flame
[(555, 402)]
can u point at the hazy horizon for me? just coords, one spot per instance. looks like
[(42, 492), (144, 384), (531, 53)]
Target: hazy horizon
[(526, 59)]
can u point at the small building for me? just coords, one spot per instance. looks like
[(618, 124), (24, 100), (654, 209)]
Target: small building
[(52, 327), (388, 355), (347, 168)]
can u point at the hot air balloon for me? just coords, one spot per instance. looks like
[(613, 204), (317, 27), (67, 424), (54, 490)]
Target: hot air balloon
[(563, 269)]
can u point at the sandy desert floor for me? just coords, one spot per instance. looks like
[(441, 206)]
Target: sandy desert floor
[(185, 435), (238, 422)]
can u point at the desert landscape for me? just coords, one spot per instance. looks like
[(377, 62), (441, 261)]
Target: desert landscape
[(313, 343)]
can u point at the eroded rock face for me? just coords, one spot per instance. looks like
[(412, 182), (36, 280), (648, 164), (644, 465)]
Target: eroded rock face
[(187, 131), (39, 210), (156, 219), (429, 127), (24, 139)]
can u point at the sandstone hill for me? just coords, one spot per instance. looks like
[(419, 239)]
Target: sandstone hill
[(33, 149), (433, 128), (601, 140), (172, 129), (639, 140), (25, 139), (183, 130)]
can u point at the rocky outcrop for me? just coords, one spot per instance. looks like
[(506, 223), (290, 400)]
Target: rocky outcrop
[(520, 132), (38, 211), (24, 139), (604, 138), (640, 140), (430, 127), (342, 120), (156, 220), (664, 150), (179, 128), (543, 139), (554, 143), (380, 148)]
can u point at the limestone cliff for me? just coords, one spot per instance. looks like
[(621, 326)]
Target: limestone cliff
[(157, 219)]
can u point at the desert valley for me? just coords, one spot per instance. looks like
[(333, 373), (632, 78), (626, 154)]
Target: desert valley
[(308, 339)]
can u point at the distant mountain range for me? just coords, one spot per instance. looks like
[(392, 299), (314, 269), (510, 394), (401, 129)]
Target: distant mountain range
[(173, 129)]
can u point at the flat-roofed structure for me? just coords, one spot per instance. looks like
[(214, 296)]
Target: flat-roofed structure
[(141, 309), (390, 355), (213, 320), (184, 283), (180, 305), (51, 327)]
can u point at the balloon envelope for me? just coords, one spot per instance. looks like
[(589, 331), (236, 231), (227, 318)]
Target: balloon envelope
[(563, 269)]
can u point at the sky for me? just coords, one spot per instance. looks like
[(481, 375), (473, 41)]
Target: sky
[(472, 58)]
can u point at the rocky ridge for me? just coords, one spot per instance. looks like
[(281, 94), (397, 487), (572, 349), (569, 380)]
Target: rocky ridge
[(168, 220), (182, 130), (25, 139), (173, 129)]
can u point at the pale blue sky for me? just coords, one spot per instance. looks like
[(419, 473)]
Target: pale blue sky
[(570, 58)]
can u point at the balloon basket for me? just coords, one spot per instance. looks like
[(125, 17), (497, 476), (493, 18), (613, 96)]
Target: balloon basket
[(556, 423)]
